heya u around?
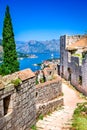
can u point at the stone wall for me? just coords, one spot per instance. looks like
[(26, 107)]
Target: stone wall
[(84, 75), (75, 71), (64, 54), (17, 104), (49, 96)]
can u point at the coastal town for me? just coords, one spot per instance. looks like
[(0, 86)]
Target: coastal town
[(45, 91), (49, 93)]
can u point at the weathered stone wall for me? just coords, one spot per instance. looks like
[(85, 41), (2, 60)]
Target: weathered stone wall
[(75, 71), (64, 54), (17, 105), (49, 96), (78, 69), (84, 75), (20, 105)]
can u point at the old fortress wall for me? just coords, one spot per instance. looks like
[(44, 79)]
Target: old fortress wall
[(20, 103)]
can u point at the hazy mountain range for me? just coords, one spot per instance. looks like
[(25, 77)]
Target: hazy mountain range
[(34, 46)]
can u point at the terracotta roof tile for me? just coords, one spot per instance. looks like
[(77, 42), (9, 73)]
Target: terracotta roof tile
[(82, 43), (25, 74)]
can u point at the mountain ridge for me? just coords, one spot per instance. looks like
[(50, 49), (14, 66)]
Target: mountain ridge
[(34, 46)]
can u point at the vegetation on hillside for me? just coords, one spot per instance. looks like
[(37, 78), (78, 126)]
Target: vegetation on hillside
[(80, 117), (10, 62)]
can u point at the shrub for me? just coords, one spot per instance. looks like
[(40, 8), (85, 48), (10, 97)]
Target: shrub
[(33, 127), (16, 82), (80, 117)]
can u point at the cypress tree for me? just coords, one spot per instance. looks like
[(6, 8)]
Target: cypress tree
[(10, 62)]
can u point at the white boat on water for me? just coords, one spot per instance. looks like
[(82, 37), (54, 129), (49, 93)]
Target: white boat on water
[(33, 56), (52, 55), (35, 65), (20, 58)]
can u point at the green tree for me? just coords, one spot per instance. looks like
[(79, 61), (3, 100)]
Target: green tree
[(10, 62)]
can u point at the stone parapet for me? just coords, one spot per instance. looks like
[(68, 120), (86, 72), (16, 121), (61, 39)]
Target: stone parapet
[(17, 104), (49, 96)]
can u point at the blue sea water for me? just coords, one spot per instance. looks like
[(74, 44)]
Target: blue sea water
[(29, 62)]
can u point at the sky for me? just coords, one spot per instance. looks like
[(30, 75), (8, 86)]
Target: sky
[(45, 19)]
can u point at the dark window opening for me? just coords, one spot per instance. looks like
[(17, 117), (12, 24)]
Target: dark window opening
[(69, 71), (7, 104), (62, 73), (50, 73), (36, 94), (80, 80)]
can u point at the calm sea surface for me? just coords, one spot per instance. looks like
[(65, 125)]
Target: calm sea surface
[(29, 62)]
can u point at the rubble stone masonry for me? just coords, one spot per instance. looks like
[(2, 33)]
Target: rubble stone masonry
[(17, 105), (49, 96), (21, 104)]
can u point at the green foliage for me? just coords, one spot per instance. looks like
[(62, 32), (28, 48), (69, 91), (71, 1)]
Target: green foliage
[(40, 117), (33, 127), (84, 54), (79, 56), (4, 70), (10, 63), (42, 80), (80, 117), (37, 82), (16, 82)]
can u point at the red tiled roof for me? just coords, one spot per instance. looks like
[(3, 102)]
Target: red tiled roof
[(82, 43), (25, 74)]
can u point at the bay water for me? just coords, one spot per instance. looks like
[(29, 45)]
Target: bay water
[(40, 57)]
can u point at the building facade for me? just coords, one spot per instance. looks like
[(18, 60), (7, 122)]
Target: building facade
[(73, 60)]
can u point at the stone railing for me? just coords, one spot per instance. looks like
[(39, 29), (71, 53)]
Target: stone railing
[(49, 96)]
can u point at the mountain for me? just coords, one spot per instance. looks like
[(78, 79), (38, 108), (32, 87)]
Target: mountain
[(34, 46)]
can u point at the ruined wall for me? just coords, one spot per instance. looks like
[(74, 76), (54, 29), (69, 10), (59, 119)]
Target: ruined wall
[(17, 105), (64, 55), (48, 96), (75, 71), (84, 75), (79, 71)]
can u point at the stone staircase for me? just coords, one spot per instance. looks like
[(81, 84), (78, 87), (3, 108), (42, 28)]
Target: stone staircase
[(58, 120), (61, 119)]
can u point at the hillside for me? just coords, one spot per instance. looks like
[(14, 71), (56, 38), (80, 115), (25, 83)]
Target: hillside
[(38, 46)]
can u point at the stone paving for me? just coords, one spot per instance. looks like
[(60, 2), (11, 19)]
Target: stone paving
[(61, 119)]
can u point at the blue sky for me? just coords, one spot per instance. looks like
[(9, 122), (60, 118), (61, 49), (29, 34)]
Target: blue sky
[(45, 19)]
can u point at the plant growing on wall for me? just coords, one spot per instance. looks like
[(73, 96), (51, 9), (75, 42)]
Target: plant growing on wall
[(10, 62), (16, 82)]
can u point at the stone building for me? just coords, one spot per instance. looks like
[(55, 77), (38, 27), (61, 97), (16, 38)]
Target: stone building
[(49, 72), (73, 60)]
